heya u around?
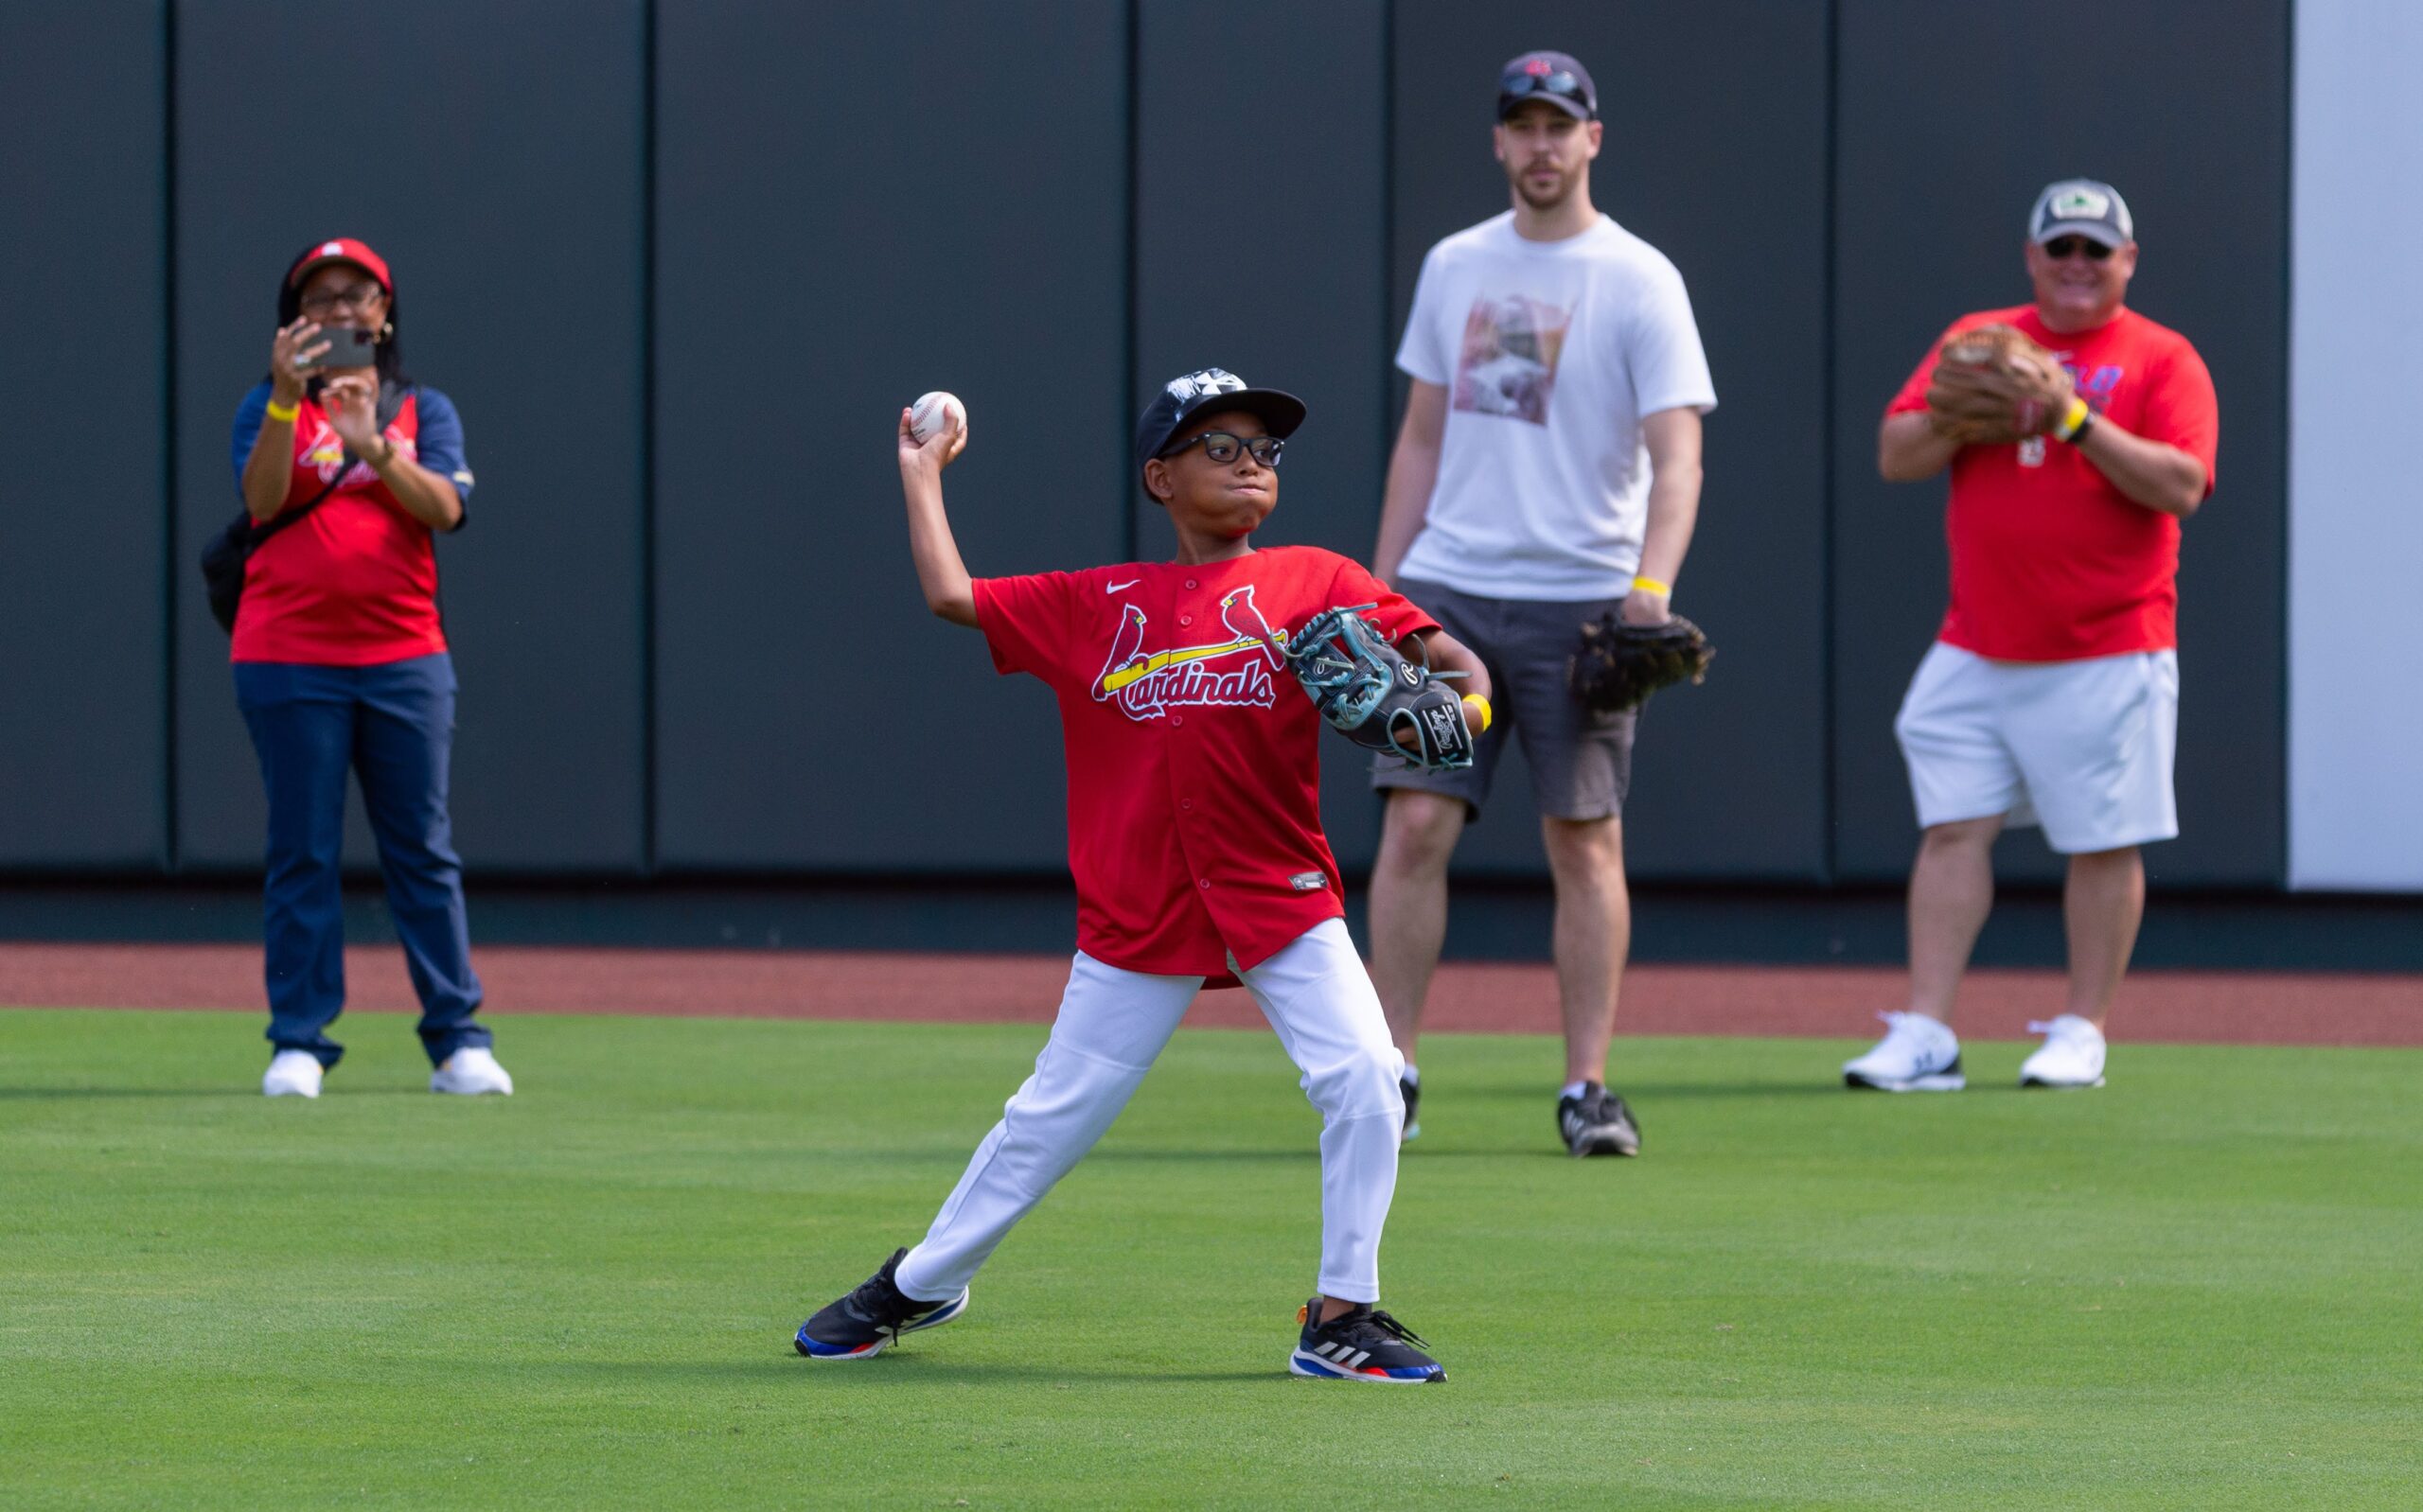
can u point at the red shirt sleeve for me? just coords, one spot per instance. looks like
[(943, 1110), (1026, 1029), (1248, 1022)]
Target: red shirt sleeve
[(1913, 393), (1396, 615), (2182, 409), (1026, 621)]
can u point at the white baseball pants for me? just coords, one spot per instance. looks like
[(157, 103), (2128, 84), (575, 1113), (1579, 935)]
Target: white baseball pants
[(1112, 1025)]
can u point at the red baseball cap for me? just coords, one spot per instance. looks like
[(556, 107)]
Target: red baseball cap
[(343, 248)]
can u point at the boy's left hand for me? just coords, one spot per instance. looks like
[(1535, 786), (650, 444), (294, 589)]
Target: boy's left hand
[(937, 451)]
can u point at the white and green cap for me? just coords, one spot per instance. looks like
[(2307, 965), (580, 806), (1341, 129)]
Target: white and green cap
[(2084, 207)]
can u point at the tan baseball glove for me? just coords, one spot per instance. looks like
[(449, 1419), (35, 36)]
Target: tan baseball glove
[(1993, 385)]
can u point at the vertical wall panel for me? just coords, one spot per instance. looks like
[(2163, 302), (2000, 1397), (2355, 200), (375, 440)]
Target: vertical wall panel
[(83, 726), (2355, 620), (858, 202), (493, 155), (1715, 153), (1297, 297), (1932, 225)]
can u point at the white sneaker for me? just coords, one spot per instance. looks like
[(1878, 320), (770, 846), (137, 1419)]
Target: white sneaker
[(1917, 1054), (471, 1070), (2072, 1055), (292, 1074)]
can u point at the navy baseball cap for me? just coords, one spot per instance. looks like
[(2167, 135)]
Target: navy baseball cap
[(2083, 208), (1209, 390), (1557, 77)]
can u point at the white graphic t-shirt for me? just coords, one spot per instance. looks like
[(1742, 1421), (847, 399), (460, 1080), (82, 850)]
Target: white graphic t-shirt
[(1550, 352)]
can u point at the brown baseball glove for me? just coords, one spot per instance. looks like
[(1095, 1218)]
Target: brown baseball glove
[(1993, 385), (1617, 666)]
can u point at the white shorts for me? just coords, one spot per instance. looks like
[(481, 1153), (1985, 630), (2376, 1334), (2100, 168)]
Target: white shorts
[(2083, 747)]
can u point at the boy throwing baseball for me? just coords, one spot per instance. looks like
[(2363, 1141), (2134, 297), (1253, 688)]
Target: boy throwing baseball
[(1196, 841)]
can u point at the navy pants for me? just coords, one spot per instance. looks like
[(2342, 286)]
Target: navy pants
[(392, 725)]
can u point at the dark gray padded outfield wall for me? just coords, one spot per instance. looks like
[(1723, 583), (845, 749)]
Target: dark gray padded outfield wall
[(83, 214), (498, 169), (1931, 224), (856, 204), (688, 632)]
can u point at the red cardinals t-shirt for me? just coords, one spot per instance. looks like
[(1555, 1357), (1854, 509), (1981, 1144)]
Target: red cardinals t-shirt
[(1194, 754), (2050, 562), (353, 584)]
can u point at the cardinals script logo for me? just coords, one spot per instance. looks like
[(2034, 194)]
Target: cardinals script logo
[(1146, 685)]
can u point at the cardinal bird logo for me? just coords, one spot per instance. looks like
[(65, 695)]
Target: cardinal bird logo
[(1146, 685)]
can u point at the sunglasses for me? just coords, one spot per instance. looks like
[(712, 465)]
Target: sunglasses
[(1564, 83), (2062, 248), (1222, 448)]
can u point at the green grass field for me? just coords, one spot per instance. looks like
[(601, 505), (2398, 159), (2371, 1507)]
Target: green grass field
[(2197, 1287)]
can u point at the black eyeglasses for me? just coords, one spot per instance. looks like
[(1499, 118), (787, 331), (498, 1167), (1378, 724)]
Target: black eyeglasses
[(1222, 448), (1564, 83), (2062, 248), (320, 303)]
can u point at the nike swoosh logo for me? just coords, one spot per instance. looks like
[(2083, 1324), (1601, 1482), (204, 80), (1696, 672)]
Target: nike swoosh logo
[(1114, 587)]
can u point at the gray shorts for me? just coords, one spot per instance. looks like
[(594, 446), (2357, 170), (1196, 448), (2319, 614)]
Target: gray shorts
[(1581, 761)]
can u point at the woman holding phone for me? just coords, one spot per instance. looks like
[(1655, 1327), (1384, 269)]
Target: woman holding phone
[(340, 660)]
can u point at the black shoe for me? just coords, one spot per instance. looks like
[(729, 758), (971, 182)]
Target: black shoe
[(1362, 1343), (1411, 1091), (1597, 1123), (862, 1325)]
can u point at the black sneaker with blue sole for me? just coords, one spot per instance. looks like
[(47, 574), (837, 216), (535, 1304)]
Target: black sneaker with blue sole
[(872, 1318), (1362, 1343)]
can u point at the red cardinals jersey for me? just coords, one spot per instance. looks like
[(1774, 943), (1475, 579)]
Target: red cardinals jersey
[(355, 583), (2050, 561), (1195, 826)]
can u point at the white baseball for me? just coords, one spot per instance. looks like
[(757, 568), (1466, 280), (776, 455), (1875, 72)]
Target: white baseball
[(936, 411)]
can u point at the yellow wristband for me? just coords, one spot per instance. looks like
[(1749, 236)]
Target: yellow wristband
[(1651, 585), (1479, 707), (2075, 416), (285, 414)]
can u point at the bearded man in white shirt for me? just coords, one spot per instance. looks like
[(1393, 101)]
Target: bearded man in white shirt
[(1548, 470)]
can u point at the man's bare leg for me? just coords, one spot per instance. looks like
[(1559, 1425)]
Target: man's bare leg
[(1418, 836), (2101, 906), (1951, 889), (1593, 936)]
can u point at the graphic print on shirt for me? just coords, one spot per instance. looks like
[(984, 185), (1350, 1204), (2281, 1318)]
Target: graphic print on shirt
[(2095, 386), (1507, 364), (327, 454), (1237, 672)]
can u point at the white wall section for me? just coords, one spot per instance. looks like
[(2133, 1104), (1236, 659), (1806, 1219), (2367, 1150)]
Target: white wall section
[(2356, 450)]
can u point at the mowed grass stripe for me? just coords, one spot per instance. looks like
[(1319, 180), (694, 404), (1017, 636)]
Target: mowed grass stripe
[(2195, 1287)]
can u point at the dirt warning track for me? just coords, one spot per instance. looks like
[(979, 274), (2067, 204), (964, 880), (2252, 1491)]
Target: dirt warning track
[(2222, 1007)]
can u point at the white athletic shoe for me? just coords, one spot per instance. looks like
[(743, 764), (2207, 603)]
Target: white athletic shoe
[(471, 1070), (292, 1074), (2072, 1055), (1917, 1054)]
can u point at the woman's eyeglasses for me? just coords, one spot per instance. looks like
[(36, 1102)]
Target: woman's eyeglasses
[(324, 303), (2062, 248), (1222, 448)]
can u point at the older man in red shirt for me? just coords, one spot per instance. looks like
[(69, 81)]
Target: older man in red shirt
[(2051, 694)]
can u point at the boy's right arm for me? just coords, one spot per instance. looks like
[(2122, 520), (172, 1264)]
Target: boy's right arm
[(949, 591)]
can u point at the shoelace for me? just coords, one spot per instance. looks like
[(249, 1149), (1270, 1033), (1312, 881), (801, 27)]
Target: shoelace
[(1387, 1325), (871, 1300)]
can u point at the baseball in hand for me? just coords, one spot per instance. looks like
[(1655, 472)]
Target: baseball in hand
[(1476, 712), (936, 414)]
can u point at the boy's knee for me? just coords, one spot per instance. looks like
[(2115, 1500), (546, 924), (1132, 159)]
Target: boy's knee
[(1362, 1085)]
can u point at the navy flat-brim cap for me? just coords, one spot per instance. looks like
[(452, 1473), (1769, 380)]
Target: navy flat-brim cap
[(1209, 390)]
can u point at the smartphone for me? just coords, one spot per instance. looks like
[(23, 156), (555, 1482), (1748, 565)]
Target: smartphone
[(348, 347)]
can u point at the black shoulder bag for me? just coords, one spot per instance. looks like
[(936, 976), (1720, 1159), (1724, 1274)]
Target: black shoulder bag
[(225, 559)]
